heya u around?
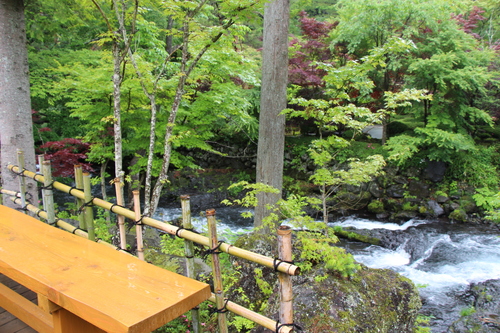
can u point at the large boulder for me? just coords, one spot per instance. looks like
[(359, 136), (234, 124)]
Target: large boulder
[(372, 300)]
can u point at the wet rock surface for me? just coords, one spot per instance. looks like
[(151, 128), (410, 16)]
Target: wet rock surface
[(483, 315)]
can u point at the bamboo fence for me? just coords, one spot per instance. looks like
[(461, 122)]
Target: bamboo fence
[(283, 265)]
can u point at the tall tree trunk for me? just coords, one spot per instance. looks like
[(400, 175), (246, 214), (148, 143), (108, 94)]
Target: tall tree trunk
[(16, 128), (117, 81), (271, 144)]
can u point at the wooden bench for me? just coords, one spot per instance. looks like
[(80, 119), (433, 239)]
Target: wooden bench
[(83, 286)]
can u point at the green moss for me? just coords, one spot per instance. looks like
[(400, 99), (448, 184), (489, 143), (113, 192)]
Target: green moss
[(376, 207), (409, 207), (458, 215)]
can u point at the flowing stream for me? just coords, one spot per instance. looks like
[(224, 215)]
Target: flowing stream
[(443, 259)]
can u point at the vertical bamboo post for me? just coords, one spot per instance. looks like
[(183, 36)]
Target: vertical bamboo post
[(89, 213), (138, 225), (218, 290), (22, 181), (41, 158), (285, 280), (189, 250), (121, 218), (80, 202), (48, 194)]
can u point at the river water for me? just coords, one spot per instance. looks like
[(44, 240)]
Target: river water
[(443, 259)]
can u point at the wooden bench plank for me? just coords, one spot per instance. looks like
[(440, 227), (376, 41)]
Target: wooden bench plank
[(114, 291)]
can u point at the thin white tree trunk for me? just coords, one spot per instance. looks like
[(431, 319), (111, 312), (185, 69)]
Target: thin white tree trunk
[(16, 128), (117, 127)]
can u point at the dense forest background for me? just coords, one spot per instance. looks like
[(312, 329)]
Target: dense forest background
[(168, 77)]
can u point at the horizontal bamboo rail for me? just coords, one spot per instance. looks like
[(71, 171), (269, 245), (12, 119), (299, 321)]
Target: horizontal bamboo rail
[(253, 316), (58, 222), (283, 267)]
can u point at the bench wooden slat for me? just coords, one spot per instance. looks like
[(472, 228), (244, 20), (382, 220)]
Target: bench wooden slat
[(114, 291), (25, 310)]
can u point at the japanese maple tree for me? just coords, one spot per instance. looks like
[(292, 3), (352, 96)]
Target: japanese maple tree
[(65, 154)]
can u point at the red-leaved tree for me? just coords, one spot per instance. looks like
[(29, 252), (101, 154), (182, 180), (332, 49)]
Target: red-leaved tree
[(65, 154), (312, 47)]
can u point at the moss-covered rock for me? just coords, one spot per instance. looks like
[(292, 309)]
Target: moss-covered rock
[(376, 206), (372, 300), (458, 215)]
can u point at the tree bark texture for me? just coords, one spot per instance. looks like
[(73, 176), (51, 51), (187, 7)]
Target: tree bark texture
[(16, 128), (273, 100)]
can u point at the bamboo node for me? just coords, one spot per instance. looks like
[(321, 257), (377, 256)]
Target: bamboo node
[(210, 212), (185, 197)]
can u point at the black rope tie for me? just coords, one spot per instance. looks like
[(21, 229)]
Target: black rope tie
[(76, 229), (279, 326), (54, 224), (221, 310), (277, 262), (49, 187), (139, 222), (73, 188), (179, 230), (20, 173), (215, 250), (124, 250), (113, 206), (87, 204)]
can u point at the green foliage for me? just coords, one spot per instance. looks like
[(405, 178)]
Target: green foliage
[(467, 311), (320, 249), (479, 168), (376, 206), (102, 225), (489, 201), (408, 206), (184, 323), (421, 323), (263, 285), (317, 239)]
